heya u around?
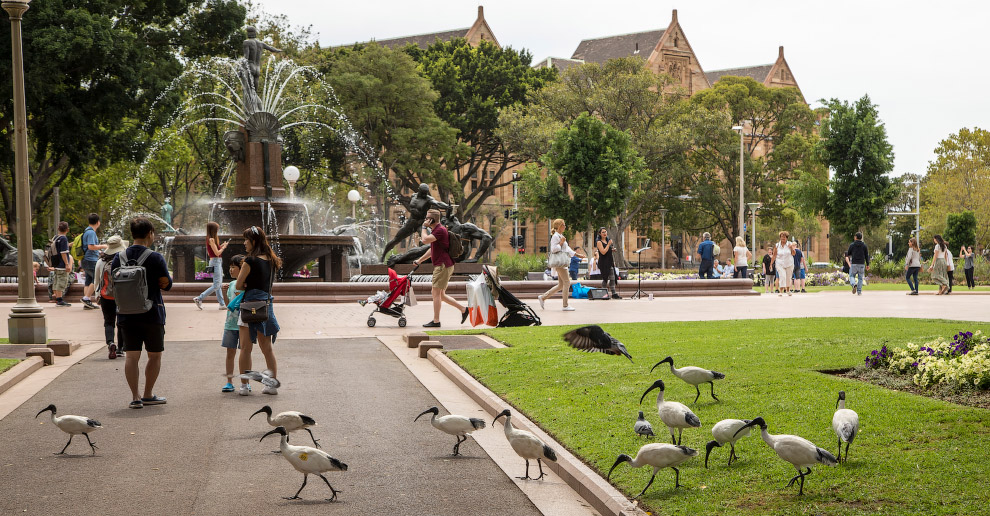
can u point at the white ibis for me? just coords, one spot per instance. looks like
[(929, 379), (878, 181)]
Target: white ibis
[(307, 460), (673, 414), (73, 425), (593, 339), (800, 452), (845, 423), (643, 427), (458, 426), (526, 445), (693, 376), (725, 432), (290, 420), (658, 455)]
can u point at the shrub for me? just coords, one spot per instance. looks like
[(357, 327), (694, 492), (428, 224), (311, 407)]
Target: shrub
[(515, 266)]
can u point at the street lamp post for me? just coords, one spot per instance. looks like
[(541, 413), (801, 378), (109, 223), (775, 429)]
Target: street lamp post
[(742, 209), (355, 198), (26, 324), (663, 235), (753, 206), (291, 175)]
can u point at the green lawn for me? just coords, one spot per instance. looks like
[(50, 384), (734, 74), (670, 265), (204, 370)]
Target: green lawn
[(7, 363), (914, 455)]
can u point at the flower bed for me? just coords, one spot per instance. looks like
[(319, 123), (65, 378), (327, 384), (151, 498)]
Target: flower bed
[(962, 363), (827, 279), (647, 276)]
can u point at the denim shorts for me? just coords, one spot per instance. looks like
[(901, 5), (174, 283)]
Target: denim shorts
[(231, 339), (799, 274)]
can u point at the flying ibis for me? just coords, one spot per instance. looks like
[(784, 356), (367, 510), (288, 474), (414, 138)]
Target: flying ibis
[(693, 376), (643, 427), (593, 339), (800, 452), (307, 460), (526, 445), (673, 414), (725, 432), (845, 423), (73, 425), (290, 420), (458, 426), (658, 455)]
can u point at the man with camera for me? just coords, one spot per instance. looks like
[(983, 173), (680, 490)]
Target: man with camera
[(436, 235)]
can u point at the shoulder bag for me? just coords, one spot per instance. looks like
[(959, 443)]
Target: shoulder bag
[(253, 312)]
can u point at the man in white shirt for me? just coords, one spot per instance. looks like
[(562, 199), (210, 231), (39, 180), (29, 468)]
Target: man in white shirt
[(950, 267)]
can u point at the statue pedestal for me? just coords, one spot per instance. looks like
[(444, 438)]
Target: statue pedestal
[(250, 182), (27, 328)]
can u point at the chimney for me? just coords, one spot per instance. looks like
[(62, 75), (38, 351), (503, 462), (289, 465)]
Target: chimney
[(481, 12), (780, 52), (674, 17)]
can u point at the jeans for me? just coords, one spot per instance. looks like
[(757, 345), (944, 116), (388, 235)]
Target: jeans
[(217, 264), (740, 271), (858, 271), (970, 282), (705, 270), (912, 272)]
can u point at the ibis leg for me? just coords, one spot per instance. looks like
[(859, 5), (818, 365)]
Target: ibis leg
[(66, 445), (847, 452), (794, 479), (457, 447), (677, 477), (527, 472), (672, 439), (680, 432), (296, 496), (648, 484), (696, 389), (539, 463), (316, 442), (840, 450), (92, 445), (713, 390), (732, 453), (334, 491)]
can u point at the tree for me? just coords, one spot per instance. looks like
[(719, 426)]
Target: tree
[(854, 146), (958, 179), (960, 228), (591, 167), (93, 71), (473, 84)]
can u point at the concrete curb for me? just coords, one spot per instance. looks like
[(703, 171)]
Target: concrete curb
[(605, 498), (19, 372)]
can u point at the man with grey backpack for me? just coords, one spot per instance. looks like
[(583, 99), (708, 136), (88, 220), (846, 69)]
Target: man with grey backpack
[(139, 275)]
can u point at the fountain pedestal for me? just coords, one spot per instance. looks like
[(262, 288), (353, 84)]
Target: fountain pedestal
[(250, 181)]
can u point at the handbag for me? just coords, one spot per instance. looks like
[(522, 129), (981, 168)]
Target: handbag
[(253, 312), (559, 259), (209, 269)]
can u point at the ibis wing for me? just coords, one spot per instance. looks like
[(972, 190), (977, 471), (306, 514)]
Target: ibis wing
[(589, 338), (93, 423), (308, 421)]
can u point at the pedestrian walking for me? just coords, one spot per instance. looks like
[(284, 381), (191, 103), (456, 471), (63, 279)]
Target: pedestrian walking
[(950, 267), (143, 330), (214, 249), (769, 274), (800, 268), (104, 297), (62, 264), (706, 254), (256, 277), (92, 246), (231, 330), (912, 266), (604, 245), (742, 256), (435, 234), (858, 258), (968, 266), (938, 268), (560, 255), (783, 262)]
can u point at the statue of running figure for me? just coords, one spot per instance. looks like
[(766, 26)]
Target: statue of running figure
[(418, 206), (252, 53)]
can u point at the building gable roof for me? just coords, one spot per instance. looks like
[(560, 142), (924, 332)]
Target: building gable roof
[(560, 63), (758, 73), (423, 40), (599, 50)]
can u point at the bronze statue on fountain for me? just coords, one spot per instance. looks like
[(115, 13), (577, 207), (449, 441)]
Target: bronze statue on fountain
[(466, 231)]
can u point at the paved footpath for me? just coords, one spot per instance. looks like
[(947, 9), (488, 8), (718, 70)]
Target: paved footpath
[(199, 454)]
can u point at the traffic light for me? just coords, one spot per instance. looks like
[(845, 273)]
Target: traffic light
[(516, 241)]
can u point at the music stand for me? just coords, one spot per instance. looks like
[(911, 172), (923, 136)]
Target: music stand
[(639, 281)]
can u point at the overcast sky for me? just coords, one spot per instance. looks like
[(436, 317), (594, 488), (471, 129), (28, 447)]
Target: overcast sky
[(925, 67)]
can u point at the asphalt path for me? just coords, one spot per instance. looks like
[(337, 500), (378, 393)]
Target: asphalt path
[(199, 454)]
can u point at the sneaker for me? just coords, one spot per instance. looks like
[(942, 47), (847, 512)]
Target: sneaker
[(244, 390), (803, 291), (568, 309), (269, 390), (431, 324), (112, 351), (789, 293), (615, 296), (464, 315), (541, 301), (227, 388), (199, 302), (223, 307), (62, 303), (136, 404), (859, 293), (154, 400), (88, 305), (854, 290)]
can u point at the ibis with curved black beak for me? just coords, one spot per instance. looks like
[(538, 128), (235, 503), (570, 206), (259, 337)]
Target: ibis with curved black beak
[(800, 452), (658, 455), (673, 414), (73, 425), (725, 432), (526, 445), (290, 420), (845, 424), (307, 460), (693, 376), (458, 426), (593, 339)]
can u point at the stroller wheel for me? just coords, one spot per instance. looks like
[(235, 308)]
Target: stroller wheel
[(402, 322), (371, 322)]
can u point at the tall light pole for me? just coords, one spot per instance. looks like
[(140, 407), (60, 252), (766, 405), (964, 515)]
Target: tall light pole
[(663, 235), (291, 175), (753, 206), (355, 197), (26, 324), (742, 208)]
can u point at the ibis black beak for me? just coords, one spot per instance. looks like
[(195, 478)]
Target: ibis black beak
[(431, 410), (622, 458), (757, 421), (49, 407), (664, 361), (500, 414), (708, 450), (266, 409), (278, 430), (656, 385)]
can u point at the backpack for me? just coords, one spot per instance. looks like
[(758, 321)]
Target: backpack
[(76, 250), (716, 250), (454, 246), (105, 282), (130, 284), (51, 252)]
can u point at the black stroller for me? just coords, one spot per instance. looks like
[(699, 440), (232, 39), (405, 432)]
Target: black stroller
[(517, 313)]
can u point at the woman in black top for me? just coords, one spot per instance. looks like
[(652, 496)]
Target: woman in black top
[(769, 275), (255, 279), (605, 246)]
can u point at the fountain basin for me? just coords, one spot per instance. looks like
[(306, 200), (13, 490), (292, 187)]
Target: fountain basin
[(295, 250), (236, 216)]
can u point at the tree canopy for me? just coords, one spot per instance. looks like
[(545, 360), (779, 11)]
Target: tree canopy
[(958, 179)]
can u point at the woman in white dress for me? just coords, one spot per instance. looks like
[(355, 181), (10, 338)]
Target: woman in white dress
[(783, 262)]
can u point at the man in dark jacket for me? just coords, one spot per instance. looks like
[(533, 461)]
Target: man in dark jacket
[(706, 251), (858, 258)]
